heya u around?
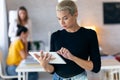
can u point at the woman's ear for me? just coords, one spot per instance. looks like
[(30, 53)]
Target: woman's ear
[(76, 14)]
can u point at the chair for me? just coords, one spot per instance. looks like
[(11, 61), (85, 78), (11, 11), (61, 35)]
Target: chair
[(5, 76)]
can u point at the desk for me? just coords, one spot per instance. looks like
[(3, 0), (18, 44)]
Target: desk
[(110, 65), (107, 65), (24, 68)]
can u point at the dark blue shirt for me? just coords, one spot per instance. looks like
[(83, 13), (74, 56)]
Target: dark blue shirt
[(82, 44)]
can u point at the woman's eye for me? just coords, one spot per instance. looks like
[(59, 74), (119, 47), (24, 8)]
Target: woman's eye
[(65, 18), (58, 18)]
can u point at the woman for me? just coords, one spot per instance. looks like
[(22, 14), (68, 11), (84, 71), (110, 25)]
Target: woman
[(22, 20), (76, 45), (18, 52)]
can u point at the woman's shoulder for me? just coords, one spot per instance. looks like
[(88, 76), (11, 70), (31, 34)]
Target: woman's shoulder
[(17, 41), (57, 33), (90, 31), (29, 21)]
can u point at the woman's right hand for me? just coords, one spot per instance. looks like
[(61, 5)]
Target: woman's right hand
[(44, 59)]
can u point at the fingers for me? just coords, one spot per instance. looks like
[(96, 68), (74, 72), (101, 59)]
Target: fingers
[(49, 57), (36, 56), (62, 51), (65, 53), (41, 54), (44, 57)]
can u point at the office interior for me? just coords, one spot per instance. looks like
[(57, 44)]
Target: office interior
[(44, 23)]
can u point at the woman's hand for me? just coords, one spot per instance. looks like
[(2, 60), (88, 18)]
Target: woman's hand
[(44, 58), (44, 61), (65, 53)]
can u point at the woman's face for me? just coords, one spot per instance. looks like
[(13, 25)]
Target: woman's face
[(66, 20), (22, 14), (25, 35)]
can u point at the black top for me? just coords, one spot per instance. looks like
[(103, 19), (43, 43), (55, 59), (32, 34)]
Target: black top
[(82, 43)]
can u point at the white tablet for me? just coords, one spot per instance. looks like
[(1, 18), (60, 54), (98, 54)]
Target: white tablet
[(57, 60)]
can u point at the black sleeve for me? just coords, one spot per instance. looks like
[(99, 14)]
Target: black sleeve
[(94, 52), (52, 48)]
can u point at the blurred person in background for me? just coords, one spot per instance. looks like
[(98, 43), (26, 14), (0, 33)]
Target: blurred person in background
[(23, 20), (18, 52)]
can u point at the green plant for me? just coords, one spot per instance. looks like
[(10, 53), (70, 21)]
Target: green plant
[(37, 44)]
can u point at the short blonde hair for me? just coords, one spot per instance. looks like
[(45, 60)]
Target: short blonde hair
[(67, 5)]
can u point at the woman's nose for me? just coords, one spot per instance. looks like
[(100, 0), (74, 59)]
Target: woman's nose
[(62, 22)]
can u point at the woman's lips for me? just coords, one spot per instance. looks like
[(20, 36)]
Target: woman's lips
[(64, 26)]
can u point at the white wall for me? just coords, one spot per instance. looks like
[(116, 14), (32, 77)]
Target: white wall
[(3, 31), (91, 13), (42, 13), (43, 16), (3, 28)]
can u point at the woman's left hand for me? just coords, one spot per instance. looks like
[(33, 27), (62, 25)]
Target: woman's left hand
[(43, 58), (65, 53)]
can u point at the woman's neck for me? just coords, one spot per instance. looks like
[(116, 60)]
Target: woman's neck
[(74, 28), (23, 23)]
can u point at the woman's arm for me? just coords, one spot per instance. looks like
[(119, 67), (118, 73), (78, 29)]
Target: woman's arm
[(85, 64), (12, 29), (26, 46), (21, 48), (23, 54)]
